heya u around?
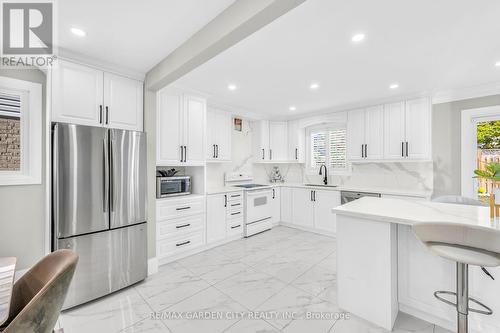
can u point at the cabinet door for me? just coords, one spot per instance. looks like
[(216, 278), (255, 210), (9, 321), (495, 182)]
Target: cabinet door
[(276, 205), (418, 128), (394, 130), (224, 132), (296, 142), (211, 134), (168, 128), (286, 204), (374, 132), (122, 102), (77, 94), (194, 129), (324, 219), (278, 141), (355, 134), (260, 138), (216, 217), (302, 207)]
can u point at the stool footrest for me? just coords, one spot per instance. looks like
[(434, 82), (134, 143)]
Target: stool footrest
[(486, 310)]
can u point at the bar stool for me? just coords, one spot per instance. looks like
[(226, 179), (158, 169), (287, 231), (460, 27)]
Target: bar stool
[(466, 245)]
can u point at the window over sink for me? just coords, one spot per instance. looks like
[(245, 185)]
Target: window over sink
[(327, 145)]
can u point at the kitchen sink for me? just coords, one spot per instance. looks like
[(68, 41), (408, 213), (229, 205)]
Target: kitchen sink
[(321, 185)]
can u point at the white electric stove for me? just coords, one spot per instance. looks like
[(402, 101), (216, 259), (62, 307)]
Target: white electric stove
[(257, 203)]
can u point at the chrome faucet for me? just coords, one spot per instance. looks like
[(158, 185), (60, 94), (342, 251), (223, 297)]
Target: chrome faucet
[(325, 180)]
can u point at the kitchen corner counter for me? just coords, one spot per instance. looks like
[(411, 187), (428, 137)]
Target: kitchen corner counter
[(410, 212)]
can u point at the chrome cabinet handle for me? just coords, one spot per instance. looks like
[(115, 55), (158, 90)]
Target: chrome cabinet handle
[(236, 226), (225, 200), (263, 153), (214, 151), (406, 148), (362, 152), (296, 153), (234, 205), (100, 114), (182, 153), (182, 226), (236, 213), (107, 115), (402, 149), (366, 150), (183, 208)]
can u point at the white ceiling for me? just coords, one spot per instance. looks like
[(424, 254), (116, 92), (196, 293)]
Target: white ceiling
[(132, 34), (423, 45)]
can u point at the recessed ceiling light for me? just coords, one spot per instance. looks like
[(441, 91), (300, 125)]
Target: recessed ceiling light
[(497, 64), (292, 108), (314, 86), (232, 87), (358, 38), (78, 32), (394, 86)]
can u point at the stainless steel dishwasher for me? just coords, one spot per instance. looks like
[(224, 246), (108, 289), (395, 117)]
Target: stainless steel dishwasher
[(348, 196)]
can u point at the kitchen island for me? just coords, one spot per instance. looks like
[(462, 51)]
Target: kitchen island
[(383, 268)]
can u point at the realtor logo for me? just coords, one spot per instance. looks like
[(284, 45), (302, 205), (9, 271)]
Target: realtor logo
[(27, 28)]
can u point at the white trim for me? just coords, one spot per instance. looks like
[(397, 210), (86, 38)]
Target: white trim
[(446, 96), (152, 266), (31, 133), (469, 145)]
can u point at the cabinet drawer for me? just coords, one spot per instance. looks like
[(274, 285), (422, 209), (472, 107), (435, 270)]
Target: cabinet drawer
[(168, 247), (178, 227), (235, 227), (234, 213), (175, 208), (235, 196)]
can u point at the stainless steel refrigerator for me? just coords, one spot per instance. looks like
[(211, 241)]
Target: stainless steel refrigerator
[(99, 207)]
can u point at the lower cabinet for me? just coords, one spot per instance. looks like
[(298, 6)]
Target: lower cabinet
[(276, 205), (224, 216), (286, 204), (180, 225), (313, 208)]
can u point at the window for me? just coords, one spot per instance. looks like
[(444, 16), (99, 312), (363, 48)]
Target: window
[(20, 132), (328, 146)]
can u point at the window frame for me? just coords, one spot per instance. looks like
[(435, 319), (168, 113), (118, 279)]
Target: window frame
[(31, 132), (325, 127)]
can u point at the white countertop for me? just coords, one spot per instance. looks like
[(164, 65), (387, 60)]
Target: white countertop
[(409, 212), (386, 191)]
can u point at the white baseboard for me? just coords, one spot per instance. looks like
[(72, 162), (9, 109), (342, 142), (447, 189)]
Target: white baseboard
[(152, 266), (309, 229)]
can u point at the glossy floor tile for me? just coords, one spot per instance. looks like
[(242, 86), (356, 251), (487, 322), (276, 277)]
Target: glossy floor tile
[(282, 280)]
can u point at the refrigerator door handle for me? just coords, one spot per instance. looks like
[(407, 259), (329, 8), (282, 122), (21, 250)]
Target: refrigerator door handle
[(105, 166), (111, 176), (55, 179)]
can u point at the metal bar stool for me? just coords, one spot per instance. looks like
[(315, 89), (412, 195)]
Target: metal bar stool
[(466, 245)]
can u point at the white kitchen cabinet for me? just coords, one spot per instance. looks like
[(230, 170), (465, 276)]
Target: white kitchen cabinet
[(407, 130), (270, 141), (365, 134), (216, 217), (260, 138), (218, 135), (296, 142), (286, 204), (180, 128), (394, 130), (324, 201), (77, 94), (87, 96), (302, 207), (123, 102), (278, 141), (418, 128), (276, 205)]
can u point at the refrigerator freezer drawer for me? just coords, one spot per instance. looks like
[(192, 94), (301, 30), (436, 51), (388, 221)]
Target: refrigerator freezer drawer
[(109, 261)]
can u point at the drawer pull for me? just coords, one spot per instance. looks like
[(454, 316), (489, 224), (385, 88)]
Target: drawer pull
[(235, 195), (182, 226), (183, 243), (183, 208), (236, 213), (237, 204), (236, 226)]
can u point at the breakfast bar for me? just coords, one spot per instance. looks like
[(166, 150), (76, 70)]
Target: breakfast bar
[(383, 268)]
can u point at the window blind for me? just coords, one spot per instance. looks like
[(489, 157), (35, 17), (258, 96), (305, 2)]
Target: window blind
[(338, 149), (329, 147), (10, 105)]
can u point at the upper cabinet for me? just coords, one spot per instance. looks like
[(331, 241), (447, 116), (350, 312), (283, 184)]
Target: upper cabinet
[(396, 131), (365, 133), (270, 141), (87, 96), (296, 142), (180, 128), (219, 124), (407, 130)]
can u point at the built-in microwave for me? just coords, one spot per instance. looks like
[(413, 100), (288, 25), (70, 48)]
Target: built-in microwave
[(173, 186)]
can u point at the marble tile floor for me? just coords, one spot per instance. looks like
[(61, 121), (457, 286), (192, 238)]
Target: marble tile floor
[(267, 283)]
